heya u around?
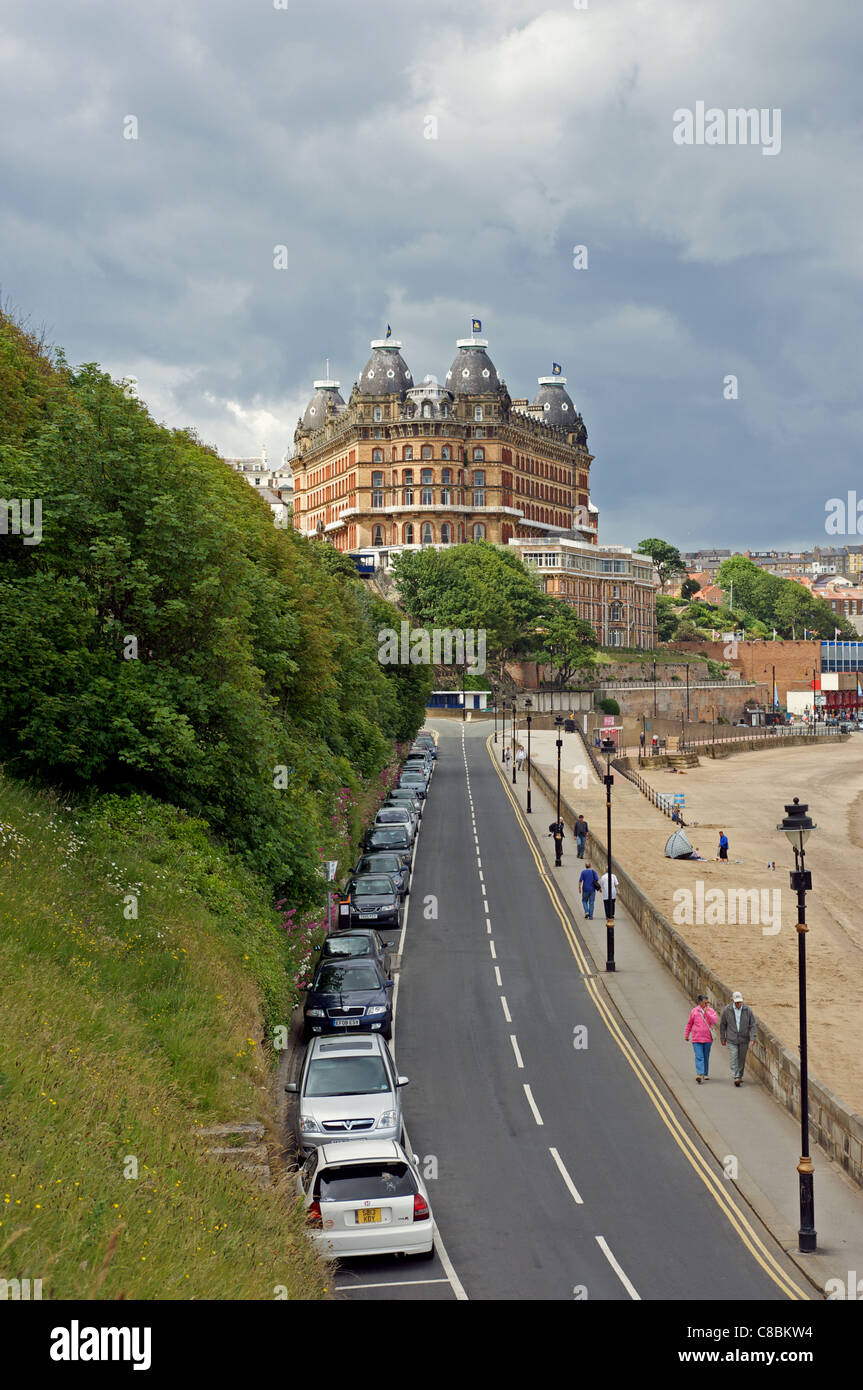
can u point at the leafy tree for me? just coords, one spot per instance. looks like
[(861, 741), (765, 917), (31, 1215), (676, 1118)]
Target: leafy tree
[(666, 617), (689, 587), (666, 558), (569, 643)]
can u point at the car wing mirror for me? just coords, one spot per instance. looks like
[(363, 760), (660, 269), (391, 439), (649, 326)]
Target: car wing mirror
[(292, 1088), (402, 1080)]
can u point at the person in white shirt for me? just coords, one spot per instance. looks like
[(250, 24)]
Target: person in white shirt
[(608, 900)]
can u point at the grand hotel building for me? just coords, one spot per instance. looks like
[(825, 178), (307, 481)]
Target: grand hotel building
[(402, 465)]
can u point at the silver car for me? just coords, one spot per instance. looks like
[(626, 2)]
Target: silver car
[(397, 815), (348, 1089)]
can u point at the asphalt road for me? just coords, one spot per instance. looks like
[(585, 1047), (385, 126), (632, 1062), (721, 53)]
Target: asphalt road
[(554, 1172)]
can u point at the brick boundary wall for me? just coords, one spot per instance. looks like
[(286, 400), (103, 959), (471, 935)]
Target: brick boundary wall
[(832, 1125)]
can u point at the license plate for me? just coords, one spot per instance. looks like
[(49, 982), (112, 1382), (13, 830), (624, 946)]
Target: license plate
[(345, 1022), (364, 915), (368, 1214)]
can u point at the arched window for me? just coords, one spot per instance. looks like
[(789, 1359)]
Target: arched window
[(446, 533), (446, 452), (377, 455), (409, 533), (616, 613), (427, 451), (479, 455), (408, 452), (378, 535), (427, 533), (479, 532)]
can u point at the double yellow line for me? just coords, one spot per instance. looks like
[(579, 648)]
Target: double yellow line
[(717, 1187)]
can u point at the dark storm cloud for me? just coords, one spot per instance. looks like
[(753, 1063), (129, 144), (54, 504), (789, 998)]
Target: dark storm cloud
[(305, 127)]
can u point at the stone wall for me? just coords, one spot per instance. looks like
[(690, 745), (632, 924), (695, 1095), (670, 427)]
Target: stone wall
[(832, 1125)]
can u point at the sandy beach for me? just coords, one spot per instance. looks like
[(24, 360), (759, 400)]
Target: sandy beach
[(745, 795)]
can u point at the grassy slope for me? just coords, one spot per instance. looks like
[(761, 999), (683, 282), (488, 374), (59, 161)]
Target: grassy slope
[(117, 1037)]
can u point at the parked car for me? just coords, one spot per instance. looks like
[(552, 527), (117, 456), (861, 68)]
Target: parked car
[(389, 837), (348, 1088), (357, 943), (348, 994), (415, 782), (382, 861), (403, 796), (397, 815), (427, 741), (419, 760), (373, 899), (366, 1198)]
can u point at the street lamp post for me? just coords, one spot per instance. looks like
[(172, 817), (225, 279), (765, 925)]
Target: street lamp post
[(654, 689), (503, 730), (798, 826), (608, 749), (514, 710), (559, 724), (530, 705), (462, 696), (687, 692), (495, 719)]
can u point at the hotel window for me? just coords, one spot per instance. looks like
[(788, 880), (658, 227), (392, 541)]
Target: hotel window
[(479, 477), (409, 533), (426, 451), (408, 453), (426, 411), (477, 412), (479, 499), (616, 613), (408, 492), (427, 497), (446, 497), (377, 490), (479, 433), (444, 410), (426, 476), (479, 455), (446, 475), (377, 434), (427, 534), (446, 452), (378, 413), (479, 532), (378, 535), (446, 533)]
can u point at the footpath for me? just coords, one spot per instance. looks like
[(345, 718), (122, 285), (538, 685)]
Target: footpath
[(745, 1125)]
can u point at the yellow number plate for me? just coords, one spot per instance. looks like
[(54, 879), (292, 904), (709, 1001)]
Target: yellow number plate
[(369, 1214)]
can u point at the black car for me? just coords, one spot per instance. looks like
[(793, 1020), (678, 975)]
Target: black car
[(349, 994), (385, 861), (389, 837), (359, 943), (373, 899)]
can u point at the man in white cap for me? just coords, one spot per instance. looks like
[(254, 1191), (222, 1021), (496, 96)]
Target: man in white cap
[(736, 1032)]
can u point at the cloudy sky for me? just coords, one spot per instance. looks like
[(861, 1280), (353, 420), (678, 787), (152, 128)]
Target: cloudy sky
[(306, 124)]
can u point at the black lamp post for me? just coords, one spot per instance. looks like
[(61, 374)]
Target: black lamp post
[(608, 749), (687, 692), (798, 826), (530, 705), (559, 725), (503, 731), (495, 719), (462, 696), (514, 710), (654, 689)]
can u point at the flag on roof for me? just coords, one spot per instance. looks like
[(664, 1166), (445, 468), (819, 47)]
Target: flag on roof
[(556, 369), (389, 331), (476, 325)]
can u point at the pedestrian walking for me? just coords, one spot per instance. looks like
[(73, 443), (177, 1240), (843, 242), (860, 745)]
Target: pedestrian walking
[(608, 898), (722, 854), (641, 740), (588, 882), (736, 1032), (508, 757), (654, 745), (556, 831), (520, 757), (699, 1031), (579, 830)]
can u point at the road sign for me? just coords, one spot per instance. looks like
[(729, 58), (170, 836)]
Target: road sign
[(332, 865)]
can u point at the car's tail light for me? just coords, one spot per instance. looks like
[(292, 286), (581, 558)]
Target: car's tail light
[(313, 1216), (421, 1208)]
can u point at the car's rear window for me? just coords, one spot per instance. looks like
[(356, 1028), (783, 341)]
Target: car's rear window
[(385, 863), (347, 1076), (365, 1182), (386, 835), (350, 946), (372, 887), (336, 979), (393, 815)]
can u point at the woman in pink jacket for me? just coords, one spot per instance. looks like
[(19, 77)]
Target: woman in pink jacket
[(699, 1029)]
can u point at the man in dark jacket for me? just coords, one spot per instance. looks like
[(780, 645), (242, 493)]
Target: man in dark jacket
[(736, 1032), (579, 830), (556, 829)]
